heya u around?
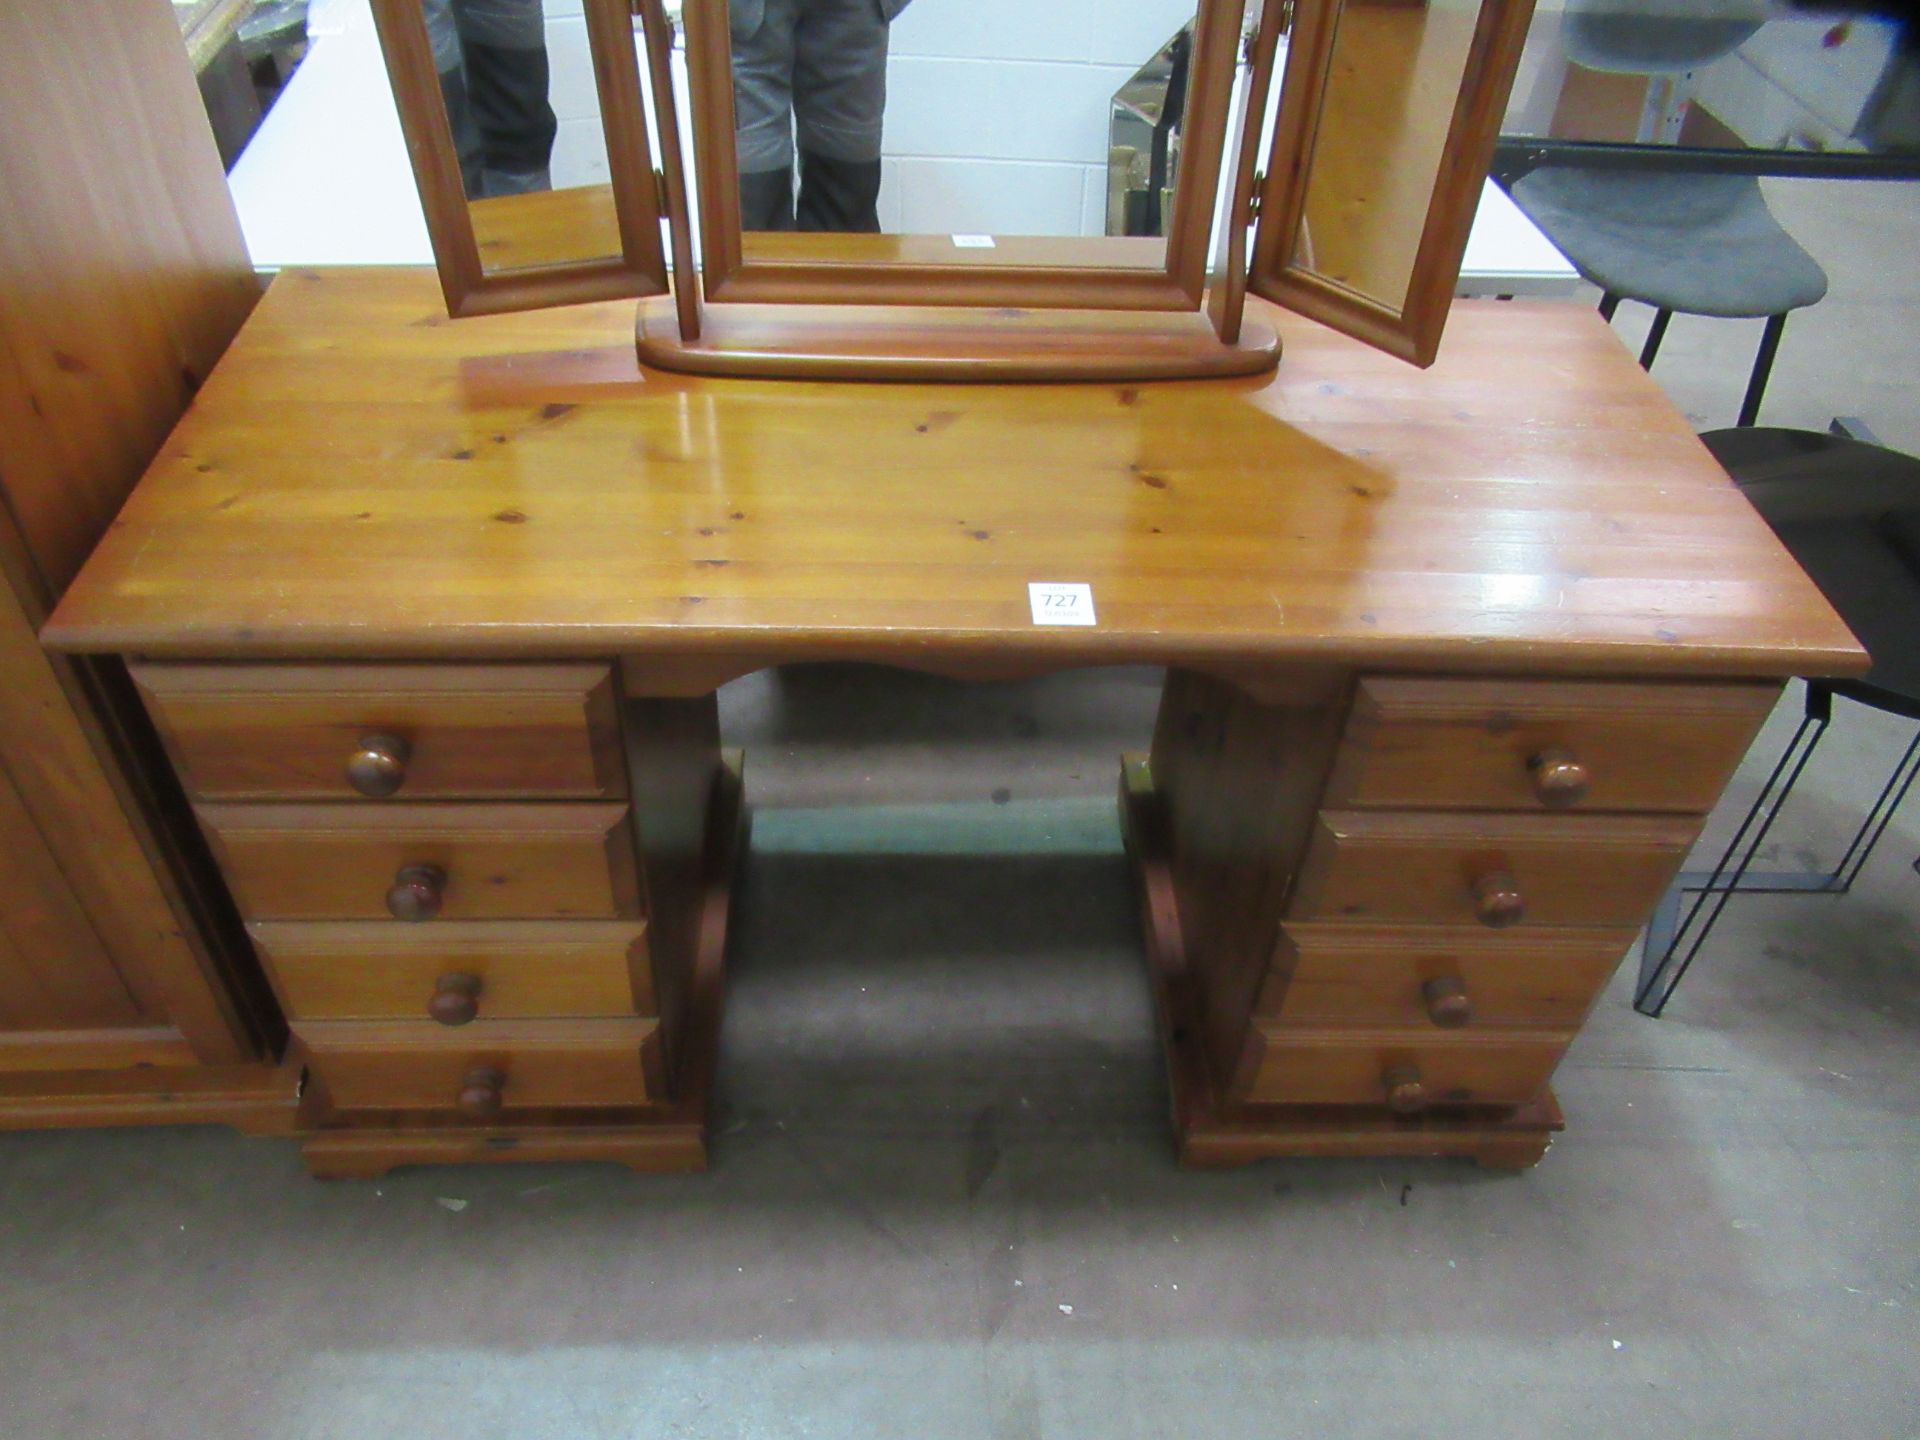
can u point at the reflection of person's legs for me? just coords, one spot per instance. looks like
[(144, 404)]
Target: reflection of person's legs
[(503, 45), (839, 98), (762, 32), (445, 35)]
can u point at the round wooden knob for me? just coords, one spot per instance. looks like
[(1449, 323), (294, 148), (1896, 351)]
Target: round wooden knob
[(456, 999), (416, 892), (482, 1092), (1497, 901), (378, 768), (1447, 1002), (1559, 779), (1405, 1094)]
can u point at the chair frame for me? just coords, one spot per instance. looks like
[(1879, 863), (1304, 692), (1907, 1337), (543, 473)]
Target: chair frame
[(1762, 362), (1669, 935)]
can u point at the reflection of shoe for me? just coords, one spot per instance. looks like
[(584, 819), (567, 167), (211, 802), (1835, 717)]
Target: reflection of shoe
[(838, 194), (495, 181), (766, 199)]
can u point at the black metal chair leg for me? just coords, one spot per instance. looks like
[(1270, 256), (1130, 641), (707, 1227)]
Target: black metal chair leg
[(1609, 302), (1659, 974), (1861, 848), (1667, 932), (1654, 337), (1762, 368)]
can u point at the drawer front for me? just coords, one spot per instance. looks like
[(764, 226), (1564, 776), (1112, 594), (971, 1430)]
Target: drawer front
[(1543, 744), (457, 972), (1405, 1071), (1437, 979), (495, 862), (484, 1068), (1490, 870), (301, 732)]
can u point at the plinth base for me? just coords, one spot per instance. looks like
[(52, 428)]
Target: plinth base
[(945, 343), (254, 1099)]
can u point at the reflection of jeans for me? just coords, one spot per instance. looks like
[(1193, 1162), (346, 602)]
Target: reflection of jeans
[(822, 63), (492, 59), (819, 66)]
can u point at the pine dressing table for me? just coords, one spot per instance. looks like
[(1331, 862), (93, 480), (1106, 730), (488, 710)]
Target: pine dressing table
[(430, 616)]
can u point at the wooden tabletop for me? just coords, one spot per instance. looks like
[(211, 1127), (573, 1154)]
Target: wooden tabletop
[(363, 477)]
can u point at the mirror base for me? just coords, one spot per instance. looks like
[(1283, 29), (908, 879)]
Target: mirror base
[(944, 344)]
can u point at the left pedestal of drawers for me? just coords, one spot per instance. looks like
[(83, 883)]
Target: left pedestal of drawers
[(491, 898)]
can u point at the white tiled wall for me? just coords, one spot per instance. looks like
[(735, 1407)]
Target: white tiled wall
[(996, 109)]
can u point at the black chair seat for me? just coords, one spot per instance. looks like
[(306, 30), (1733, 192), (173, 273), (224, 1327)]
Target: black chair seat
[(1850, 514)]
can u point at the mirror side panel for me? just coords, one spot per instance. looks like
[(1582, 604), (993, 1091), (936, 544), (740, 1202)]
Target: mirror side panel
[(1388, 116), (521, 242)]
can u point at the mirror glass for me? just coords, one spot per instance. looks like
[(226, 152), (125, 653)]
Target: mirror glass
[(1735, 75), (1144, 140), (959, 121), (1395, 77), (517, 79)]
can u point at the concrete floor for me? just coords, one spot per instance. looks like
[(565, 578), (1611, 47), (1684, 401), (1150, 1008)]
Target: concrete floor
[(943, 1202)]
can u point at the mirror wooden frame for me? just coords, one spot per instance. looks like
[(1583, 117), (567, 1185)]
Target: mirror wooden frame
[(470, 287), (890, 307)]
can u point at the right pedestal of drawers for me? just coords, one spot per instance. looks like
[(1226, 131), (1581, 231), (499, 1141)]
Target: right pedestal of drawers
[(1378, 911)]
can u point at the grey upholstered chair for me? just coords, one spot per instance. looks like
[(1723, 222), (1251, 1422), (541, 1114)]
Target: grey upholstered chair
[(1689, 243), (1698, 244)]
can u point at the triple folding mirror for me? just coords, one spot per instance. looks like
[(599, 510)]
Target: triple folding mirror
[(957, 189)]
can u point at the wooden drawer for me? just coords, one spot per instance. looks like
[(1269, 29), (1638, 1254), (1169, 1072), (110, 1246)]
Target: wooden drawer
[(488, 970), (466, 731), (1401, 1070), (1436, 977), (1473, 744), (534, 1064), (337, 862), (1447, 869)]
